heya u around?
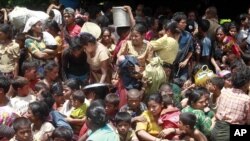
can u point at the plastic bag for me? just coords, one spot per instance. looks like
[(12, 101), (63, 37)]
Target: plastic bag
[(155, 74)]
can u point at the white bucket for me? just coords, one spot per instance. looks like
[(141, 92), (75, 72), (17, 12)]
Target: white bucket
[(120, 17)]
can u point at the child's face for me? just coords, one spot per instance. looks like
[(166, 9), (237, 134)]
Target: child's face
[(210, 87), (182, 127), (110, 108), (24, 134), (24, 91), (233, 31), (20, 42), (228, 83), (123, 127), (76, 103), (134, 103), (166, 90)]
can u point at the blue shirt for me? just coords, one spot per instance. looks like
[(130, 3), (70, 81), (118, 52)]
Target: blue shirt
[(184, 38), (58, 120), (106, 133), (206, 46)]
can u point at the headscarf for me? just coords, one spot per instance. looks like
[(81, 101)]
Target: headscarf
[(58, 16), (31, 21)]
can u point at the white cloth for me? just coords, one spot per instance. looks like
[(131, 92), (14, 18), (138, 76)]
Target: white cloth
[(49, 39), (20, 15), (31, 21), (66, 108), (58, 16), (46, 127), (20, 104)]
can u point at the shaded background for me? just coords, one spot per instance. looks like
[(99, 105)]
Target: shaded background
[(226, 8)]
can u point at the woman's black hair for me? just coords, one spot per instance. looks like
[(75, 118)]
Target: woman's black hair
[(102, 21), (140, 28), (48, 99), (79, 21), (52, 24), (40, 110), (57, 89), (97, 115), (172, 26), (40, 86), (50, 65), (72, 84), (222, 28), (86, 38), (105, 29), (155, 97), (74, 43), (62, 132), (194, 95)]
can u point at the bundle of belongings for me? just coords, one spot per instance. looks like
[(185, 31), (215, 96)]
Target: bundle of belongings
[(20, 15), (128, 74)]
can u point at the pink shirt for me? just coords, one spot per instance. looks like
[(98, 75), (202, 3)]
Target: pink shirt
[(233, 107), (74, 30)]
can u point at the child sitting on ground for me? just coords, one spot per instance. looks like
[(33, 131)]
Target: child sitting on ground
[(24, 97), (111, 106), (169, 117), (134, 106), (123, 125), (22, 127), (78, 114), (187, 122), (214, 86)]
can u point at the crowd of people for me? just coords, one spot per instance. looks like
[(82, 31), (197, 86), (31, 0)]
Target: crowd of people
[(166, 76)]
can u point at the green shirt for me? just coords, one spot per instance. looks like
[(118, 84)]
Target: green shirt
[(203, 122), (80, 112)]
